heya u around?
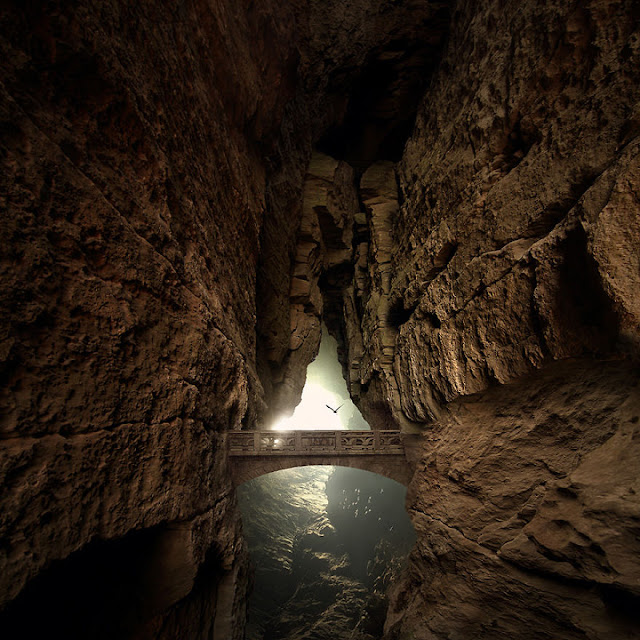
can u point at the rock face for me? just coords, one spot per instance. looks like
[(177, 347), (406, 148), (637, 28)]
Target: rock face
[(153, 160), (324, 244), (514, 249), (509, 186), (493, 298), (526, 509), (127, 294), (338, 45), (499, 257)]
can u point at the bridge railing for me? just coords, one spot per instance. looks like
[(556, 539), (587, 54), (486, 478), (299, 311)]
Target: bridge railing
[(305, 443)]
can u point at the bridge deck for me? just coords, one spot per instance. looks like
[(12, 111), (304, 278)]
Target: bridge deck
[(315, 443)]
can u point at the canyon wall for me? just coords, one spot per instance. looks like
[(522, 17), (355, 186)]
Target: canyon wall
[(133, 191), (500, 310), (361, 64), (153, 160)]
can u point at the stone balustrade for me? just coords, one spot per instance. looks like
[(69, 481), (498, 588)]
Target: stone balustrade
[(315, 443)]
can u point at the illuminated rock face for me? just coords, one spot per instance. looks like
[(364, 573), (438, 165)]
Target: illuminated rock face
[(153, 161), (153, 181), (514, 249)]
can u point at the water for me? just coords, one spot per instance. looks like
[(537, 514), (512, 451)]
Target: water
[(326, 543)]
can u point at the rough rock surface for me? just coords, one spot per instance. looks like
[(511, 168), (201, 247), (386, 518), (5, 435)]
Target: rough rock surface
[(342, 50), (127, 294), (153, 159), (519, 175), (515, 239), (153, 169), (514, 294), (323, 243), (494, 298), (526, 511), (371, 331)]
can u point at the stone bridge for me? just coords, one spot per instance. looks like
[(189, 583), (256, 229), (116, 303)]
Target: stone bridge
[(255, 453)]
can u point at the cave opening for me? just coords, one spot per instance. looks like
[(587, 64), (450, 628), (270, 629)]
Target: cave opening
[(118, 588), (325, 402)]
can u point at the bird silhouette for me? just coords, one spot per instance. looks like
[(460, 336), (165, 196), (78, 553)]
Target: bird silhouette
[(332, 409)]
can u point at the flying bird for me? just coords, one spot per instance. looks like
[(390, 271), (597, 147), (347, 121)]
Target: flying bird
[(332, 409)]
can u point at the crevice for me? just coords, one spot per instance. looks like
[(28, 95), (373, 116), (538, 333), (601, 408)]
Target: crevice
[(105, 590), (399, 315), (582, 301), (330, 231), (621, 603), (383, 101)]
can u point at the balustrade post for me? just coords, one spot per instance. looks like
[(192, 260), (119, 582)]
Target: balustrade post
[(256, 441), (298, 440), (338, 440), (376, 440)]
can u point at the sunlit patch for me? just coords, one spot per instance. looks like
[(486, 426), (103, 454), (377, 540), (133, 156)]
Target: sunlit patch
[(325, 401), (312, 412)]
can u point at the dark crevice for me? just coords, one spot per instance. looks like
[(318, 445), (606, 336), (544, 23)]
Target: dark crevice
[(103, 591), (582, 301), (433, 320), (444, 256), (332, 284), (398, 314), (519, 143), (383, 100), (621, 603), (330, 231)]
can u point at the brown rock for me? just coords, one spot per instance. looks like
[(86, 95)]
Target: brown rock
[(132, 206), (525, 509), (510, 184)]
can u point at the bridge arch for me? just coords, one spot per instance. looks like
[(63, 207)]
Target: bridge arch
[(245, 469), (255, 453)]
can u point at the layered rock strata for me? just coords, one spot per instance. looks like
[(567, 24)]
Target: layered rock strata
[(323, 244), (342, 51)]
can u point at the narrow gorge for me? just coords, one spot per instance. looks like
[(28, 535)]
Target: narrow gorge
[(191, 190)]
